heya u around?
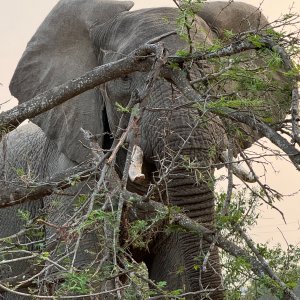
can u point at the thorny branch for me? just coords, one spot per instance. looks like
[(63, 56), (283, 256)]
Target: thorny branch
[(260, 268), (13, 193), (4, 288), (153, 58), (136, 61), (247, 118), (287, 291)]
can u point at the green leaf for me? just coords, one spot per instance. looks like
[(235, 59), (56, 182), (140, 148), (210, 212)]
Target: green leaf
[(256, 40), (182, 53), (229, 34), (24, 214), (121, 108), (20, 172), (176, 292), (162, 284)]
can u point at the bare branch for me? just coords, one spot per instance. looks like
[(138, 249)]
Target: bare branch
[(4, 288), (16, 193), (295, 115), (135, 61), (289, 294), (180, 80)]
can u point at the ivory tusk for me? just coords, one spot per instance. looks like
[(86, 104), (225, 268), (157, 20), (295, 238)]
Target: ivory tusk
[(237, 169), (135, 169)]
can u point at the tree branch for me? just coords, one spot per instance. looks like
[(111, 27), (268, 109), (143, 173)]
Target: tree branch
[(182, 83), (259, 266), (16, 193), (289, 294), (135, 61), (139, 208)]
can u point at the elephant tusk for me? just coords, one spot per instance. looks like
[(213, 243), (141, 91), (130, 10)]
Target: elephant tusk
[(135, 169), (237, 168)]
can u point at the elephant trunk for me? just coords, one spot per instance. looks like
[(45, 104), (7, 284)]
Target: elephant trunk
[(197, 200), (186, 144), (186, 264)]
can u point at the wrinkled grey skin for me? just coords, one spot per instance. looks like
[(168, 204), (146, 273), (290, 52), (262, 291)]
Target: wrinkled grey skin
[(237, 17), (76, 36)]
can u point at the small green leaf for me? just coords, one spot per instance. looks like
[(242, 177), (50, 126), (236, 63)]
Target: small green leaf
[(121, 108), (20, 172), (176, 292), (162, 284), (256, 40), (24, 215), (182, 53), (228, 34)]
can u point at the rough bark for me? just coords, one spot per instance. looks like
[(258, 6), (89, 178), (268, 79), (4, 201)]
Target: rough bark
[(186, 89), (14, 193), (136, 61)]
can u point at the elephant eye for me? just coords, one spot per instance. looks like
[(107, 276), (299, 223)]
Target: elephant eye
[(125, 78)]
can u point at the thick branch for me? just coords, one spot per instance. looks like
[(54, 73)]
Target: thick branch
[(259, 266), (181, 82), (141, 208), (29, 193), (266, 131), (295, 115), (288, 293), (238, 46), (16, 193), (146, 208), (135, 61)]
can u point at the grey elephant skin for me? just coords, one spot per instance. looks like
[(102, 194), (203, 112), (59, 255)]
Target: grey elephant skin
[(75, 37)]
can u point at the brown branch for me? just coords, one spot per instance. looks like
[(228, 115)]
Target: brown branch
[(181, 82), (258, 264), (135, 61), (182, 296), (266, 131), (238, 46), (149, 206), (289, 294), (16, 193), (140, 208), (295, 116), (4, 288)]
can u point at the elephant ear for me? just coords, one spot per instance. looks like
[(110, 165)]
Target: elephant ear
[(60, 50), (234, 16)]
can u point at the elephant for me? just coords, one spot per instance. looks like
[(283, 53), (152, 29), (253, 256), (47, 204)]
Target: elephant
[(219, 15), (79, 35)]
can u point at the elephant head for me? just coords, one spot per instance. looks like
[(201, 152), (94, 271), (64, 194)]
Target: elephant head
[(78, 35)]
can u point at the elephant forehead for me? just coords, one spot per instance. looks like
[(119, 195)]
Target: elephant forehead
[(131, 29)]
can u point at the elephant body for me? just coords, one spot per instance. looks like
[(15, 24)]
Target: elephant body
[(79, 35)]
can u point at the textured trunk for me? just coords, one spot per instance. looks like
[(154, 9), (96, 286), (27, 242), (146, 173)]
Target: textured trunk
[(179, 256), (187, 143)]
